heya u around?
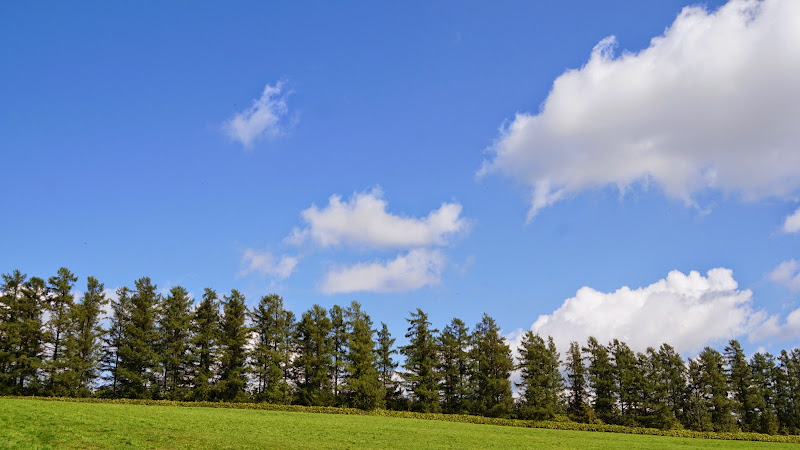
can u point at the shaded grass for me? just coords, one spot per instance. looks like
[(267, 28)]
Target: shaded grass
[(26, 423)]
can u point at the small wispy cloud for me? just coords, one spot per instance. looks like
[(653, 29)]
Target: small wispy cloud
[(264, 262), (792, 223), (408, 272), (265, 118), (364, 220), (788, 274)]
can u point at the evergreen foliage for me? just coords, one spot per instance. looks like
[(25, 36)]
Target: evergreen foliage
[(273, 327), (339, 338), (163, 348), (541, 384), (364, 387), (577, 408), (84, 347), (233, 339), (420, 376), (173, 341), (492, 369), (601, 380), (714, 388), (60, 302), (387, 367), (204, 345), (138, 360), (740, 386), (120, 315), (314, 351), (455, 367), (21, 304)]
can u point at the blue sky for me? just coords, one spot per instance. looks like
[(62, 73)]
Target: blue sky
[(120, 159)]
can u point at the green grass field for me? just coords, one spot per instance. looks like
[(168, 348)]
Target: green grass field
[(27, 423)]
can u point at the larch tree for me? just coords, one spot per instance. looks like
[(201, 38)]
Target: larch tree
[(455, 367), (627, 382), (113, 340), (364, 387), (762, 371), (420, 375), (314, 358), (672, 377), (577, 406), (491, 371), (739, 382), (204, 345), (787, 391), (715, 390), (60, 305), (138, 360), (339, 340), (173, 341), (273, 327), (84, 346), (234, 337), (22, 301), (30, 336), (541, 384), (387, 367), (601, 380)]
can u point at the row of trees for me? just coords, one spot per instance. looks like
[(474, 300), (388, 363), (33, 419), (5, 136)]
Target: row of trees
[(165, 346)]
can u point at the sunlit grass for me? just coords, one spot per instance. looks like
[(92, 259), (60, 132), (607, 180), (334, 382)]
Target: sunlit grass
[(26, 423)]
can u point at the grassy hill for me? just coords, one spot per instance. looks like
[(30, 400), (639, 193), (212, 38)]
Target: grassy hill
[(26, 423)]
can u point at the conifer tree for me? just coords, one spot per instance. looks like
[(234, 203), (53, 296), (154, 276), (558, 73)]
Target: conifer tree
[(787, 391), (21, 305), (314, 358), (273, 327), (233, 340), (387, 367), (60, 305), (205, 337), (138, 360), (697, 414), (420, 376), (541, 383), (762, 370), (84, 346), (601, 380), (30, 337), (339, 339), (455, 367), (10, 295), (492, 369), (628, 382), (672, 378), (654, 410), (714, 385), (173, 341), (577, 406), (739, 381), (364, 387), (113, 340)]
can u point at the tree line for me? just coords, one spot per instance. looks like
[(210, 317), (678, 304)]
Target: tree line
[(167, 347)]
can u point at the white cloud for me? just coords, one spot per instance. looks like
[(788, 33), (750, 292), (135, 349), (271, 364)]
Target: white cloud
[(788, 274), (711, 103), (772, 328), (685, 311), (792, 223), (414, 270), (262, 119), (266, 263), (363, 220)]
